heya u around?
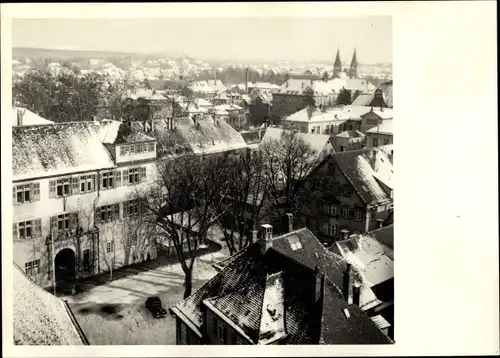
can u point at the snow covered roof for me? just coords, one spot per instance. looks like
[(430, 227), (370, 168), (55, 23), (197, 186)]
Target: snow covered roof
[(384, 113), (317, 115), (375, 259), (350, 134), (39, 317), (369, 171), (259, 295), (384, 128), (209, 136), (317, 142), (145, 93), (59, 149), (28, 117)]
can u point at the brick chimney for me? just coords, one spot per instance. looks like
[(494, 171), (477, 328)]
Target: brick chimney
[(266, 237), (289, 222), (346, 282)]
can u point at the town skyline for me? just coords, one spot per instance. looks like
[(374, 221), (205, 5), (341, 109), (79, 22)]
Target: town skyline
[(250, 38)]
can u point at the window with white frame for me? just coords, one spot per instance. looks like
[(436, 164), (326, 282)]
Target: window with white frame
[(124, 150), (294, 243), (346, 213), (108, 213), (32, 267), (60, 187), (133, 207), (333, 230), (110, 247), (375, 142), (132, 149), (134, 176), (25, 193), (63, 222), (27, 229), (111, 179), (87, 183), (358, 216), (333, 210)]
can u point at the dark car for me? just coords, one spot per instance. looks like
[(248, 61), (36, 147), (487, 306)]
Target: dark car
[(153, 304)]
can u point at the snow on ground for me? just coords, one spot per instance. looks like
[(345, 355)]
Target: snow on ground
[(115, 313)]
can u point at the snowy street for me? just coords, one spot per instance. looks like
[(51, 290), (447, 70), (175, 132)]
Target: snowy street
[(115, 313)]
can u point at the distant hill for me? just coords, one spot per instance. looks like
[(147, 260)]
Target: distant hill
[(67, 54)]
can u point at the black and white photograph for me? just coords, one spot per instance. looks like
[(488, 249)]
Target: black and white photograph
[(171, 190), (222, 180)]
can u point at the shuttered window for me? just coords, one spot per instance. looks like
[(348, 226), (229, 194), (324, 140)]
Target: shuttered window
[(27, 229), (25, 193), (108, 213)]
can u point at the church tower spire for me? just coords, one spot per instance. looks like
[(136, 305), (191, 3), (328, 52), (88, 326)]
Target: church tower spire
[(337, 66), (353, 70)]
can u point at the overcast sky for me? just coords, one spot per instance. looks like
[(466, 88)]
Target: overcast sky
[(217, 38)]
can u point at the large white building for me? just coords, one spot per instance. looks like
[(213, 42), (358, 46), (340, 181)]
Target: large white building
[(74, 198)]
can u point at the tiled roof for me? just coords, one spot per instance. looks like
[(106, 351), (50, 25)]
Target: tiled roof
[(385, 235), (364, 169), (252, 282), (39, 317), (375, 259), (209, 136), (58, 149)]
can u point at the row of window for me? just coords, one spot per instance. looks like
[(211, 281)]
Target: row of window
[(136, 148), (79, 184), (344, 212), (68, 221), (375, 142)]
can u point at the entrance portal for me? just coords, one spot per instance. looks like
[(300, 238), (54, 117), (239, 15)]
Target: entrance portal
[(65, 263)]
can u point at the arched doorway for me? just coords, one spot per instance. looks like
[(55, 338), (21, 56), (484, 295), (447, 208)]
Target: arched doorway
[(65, 265)]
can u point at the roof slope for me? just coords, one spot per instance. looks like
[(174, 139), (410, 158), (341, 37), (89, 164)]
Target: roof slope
[(365, 169), (209, 136), (59, 149), (39, 317), (383, 128), (317, 142), (375, 259), (252, 284), (29, 118)]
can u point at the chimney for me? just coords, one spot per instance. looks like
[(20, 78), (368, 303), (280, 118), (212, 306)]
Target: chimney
[(20, 115), (344, 234), (266, 237), (346, 281), (309, 111), (253, 236), (356, 293), (289, 222), (319, 286)]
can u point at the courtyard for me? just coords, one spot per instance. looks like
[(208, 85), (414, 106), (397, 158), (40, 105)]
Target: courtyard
[(113, 311)]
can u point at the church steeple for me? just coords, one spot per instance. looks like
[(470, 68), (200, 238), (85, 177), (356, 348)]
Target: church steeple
[(337, 66), (353, 70)]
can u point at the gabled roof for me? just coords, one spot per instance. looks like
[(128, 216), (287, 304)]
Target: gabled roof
[(385, 235), (209, 136), (350, 134), (364, 169), (375, 259), (384, 113), (252, 280), (28, 118), (40, 318), (59, 149), (317, 142)]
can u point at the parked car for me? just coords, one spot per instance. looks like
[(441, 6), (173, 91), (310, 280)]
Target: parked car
[(153, 304)]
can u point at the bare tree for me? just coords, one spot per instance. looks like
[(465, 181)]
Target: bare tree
[(184, 203), (288, 162), (244, 203)]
